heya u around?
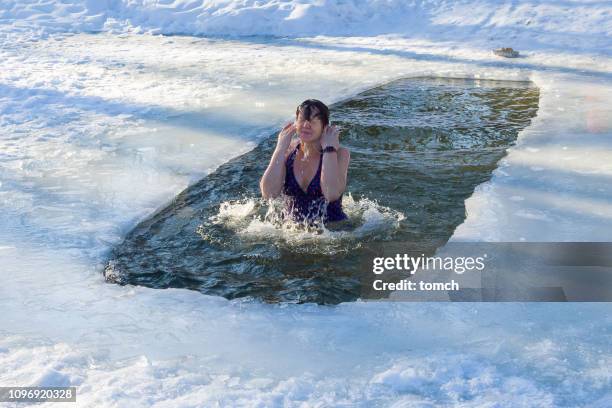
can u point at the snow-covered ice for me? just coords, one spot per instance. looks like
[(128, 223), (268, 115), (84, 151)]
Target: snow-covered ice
[(97, 130)]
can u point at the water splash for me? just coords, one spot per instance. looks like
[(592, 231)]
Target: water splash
[(255, 220)]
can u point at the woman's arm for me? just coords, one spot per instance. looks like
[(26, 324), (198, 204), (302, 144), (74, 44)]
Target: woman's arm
[(334, 168), (273, 178)]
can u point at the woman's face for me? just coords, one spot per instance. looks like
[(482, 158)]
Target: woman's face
[(309, 130)]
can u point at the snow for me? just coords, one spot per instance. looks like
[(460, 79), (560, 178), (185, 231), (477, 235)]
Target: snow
[(577, 24), (101, 123)]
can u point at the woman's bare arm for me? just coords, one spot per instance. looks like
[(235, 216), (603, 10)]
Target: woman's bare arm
[(273, 178), (334, 168), (334, 173)]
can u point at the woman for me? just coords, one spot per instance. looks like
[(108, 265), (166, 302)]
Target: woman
[(311, 170)]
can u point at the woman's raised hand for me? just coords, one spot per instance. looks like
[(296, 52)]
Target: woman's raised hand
[(330, 137), (285, 136), (271, 183)]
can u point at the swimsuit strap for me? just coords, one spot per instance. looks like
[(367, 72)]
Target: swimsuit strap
[(291, 157)]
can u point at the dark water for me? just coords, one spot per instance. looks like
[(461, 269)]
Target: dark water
[(419, 147)]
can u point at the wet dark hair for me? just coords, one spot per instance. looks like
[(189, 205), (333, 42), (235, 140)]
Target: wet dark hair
[(307, 106)]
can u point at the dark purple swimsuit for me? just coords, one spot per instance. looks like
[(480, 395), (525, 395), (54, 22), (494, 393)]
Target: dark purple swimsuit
[(310, 205)]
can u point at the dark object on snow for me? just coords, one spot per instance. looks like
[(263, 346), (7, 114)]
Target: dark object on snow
[(506, 52)]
